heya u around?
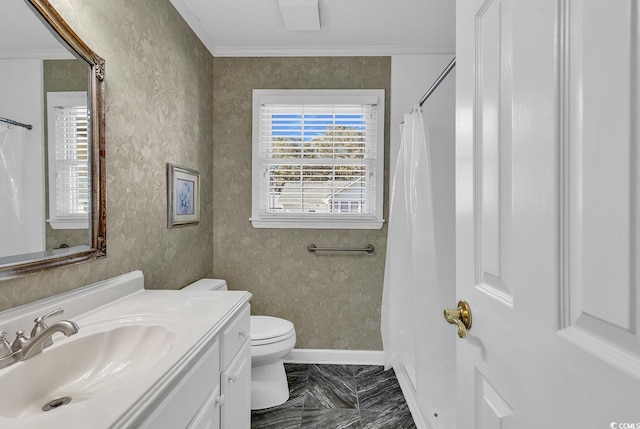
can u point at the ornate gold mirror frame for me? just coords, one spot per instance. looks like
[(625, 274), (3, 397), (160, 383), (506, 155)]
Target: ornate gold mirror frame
[(98, 243)]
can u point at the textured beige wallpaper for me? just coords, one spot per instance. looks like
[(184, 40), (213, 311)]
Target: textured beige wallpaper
[(159, 89), (333, 299)]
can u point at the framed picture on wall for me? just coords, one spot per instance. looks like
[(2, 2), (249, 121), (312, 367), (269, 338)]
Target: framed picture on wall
[(183, 196)]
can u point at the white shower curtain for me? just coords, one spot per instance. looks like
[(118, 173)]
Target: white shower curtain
[(410, 271), (12, 216)]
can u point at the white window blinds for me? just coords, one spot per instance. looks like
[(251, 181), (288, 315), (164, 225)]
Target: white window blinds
[(69, 193), (318, 159)]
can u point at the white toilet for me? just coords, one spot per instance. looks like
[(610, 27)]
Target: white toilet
[(272, 339)]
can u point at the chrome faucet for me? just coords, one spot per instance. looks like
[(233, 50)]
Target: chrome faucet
[(24, 348), (34, 345), (40, 324)]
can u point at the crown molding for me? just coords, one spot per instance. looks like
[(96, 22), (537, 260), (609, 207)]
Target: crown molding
[(324, 51)]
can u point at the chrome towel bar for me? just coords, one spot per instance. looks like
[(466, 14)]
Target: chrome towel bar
[(368, 248)]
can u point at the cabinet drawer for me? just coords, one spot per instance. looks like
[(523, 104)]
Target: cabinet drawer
[(186, 398), (235, 335)]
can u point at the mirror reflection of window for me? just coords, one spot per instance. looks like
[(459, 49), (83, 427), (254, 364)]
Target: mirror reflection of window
[(69, 190), (36, 60)]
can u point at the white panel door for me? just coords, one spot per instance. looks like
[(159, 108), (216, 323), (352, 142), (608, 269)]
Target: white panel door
[(548, 213)]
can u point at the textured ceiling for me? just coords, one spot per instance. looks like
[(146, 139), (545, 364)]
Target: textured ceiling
[(347, 27), (256, 28)]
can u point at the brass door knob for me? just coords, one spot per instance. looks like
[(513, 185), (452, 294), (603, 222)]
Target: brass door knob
[(460, 316)]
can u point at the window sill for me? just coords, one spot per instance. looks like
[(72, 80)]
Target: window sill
[(317, 224), (69, 223)]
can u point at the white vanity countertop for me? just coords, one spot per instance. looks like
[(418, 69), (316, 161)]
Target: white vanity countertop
[(193, 318)]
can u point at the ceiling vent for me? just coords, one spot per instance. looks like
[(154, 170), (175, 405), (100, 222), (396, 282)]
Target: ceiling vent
[(300, 15)]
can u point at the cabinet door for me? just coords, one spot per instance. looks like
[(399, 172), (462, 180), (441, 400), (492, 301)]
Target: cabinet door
[(209, 415), (183, 402), (236, 389)]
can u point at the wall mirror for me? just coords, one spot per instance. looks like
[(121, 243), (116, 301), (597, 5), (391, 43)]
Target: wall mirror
[(52, 142)]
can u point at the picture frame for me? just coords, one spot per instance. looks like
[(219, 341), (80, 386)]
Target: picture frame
[(183, 196)]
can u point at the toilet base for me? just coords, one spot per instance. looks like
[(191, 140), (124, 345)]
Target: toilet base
[(268, 385)]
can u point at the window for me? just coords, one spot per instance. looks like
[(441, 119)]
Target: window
[(68, 160), (318, 159)]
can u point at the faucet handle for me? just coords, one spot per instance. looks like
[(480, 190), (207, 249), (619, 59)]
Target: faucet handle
[(41, 326), (19, 342), (5, 348), (56, 312)]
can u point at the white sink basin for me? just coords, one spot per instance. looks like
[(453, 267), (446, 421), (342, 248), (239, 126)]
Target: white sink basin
[(134, 347), (82, 367)]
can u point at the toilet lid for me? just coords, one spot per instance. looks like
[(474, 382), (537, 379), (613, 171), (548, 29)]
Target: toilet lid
[(267, 327)]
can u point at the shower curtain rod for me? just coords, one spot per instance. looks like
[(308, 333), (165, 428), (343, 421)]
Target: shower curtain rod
[(438, 81), (12, 122)]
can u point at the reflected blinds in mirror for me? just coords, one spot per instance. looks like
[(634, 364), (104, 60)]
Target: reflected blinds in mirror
[(68, 160), (83, 163)]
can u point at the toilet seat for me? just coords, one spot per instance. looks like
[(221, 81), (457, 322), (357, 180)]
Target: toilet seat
[(268, 330)]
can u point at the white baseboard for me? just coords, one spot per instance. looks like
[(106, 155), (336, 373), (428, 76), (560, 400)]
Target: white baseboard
[(410, 396), (339, 357)]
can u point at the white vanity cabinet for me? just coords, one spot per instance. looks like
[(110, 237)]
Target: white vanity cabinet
[(235, 380), (208, 416), (229, 406), (216, 392), (188, 397), (167, 359), (236, 390)]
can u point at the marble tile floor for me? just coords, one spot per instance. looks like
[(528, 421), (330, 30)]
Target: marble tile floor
[(338, 397)]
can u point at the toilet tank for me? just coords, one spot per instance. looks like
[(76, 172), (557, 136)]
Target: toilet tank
[(207, 284)]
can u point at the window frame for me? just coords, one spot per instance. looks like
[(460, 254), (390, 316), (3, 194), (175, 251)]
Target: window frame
[(64, 99), (260, 219)]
